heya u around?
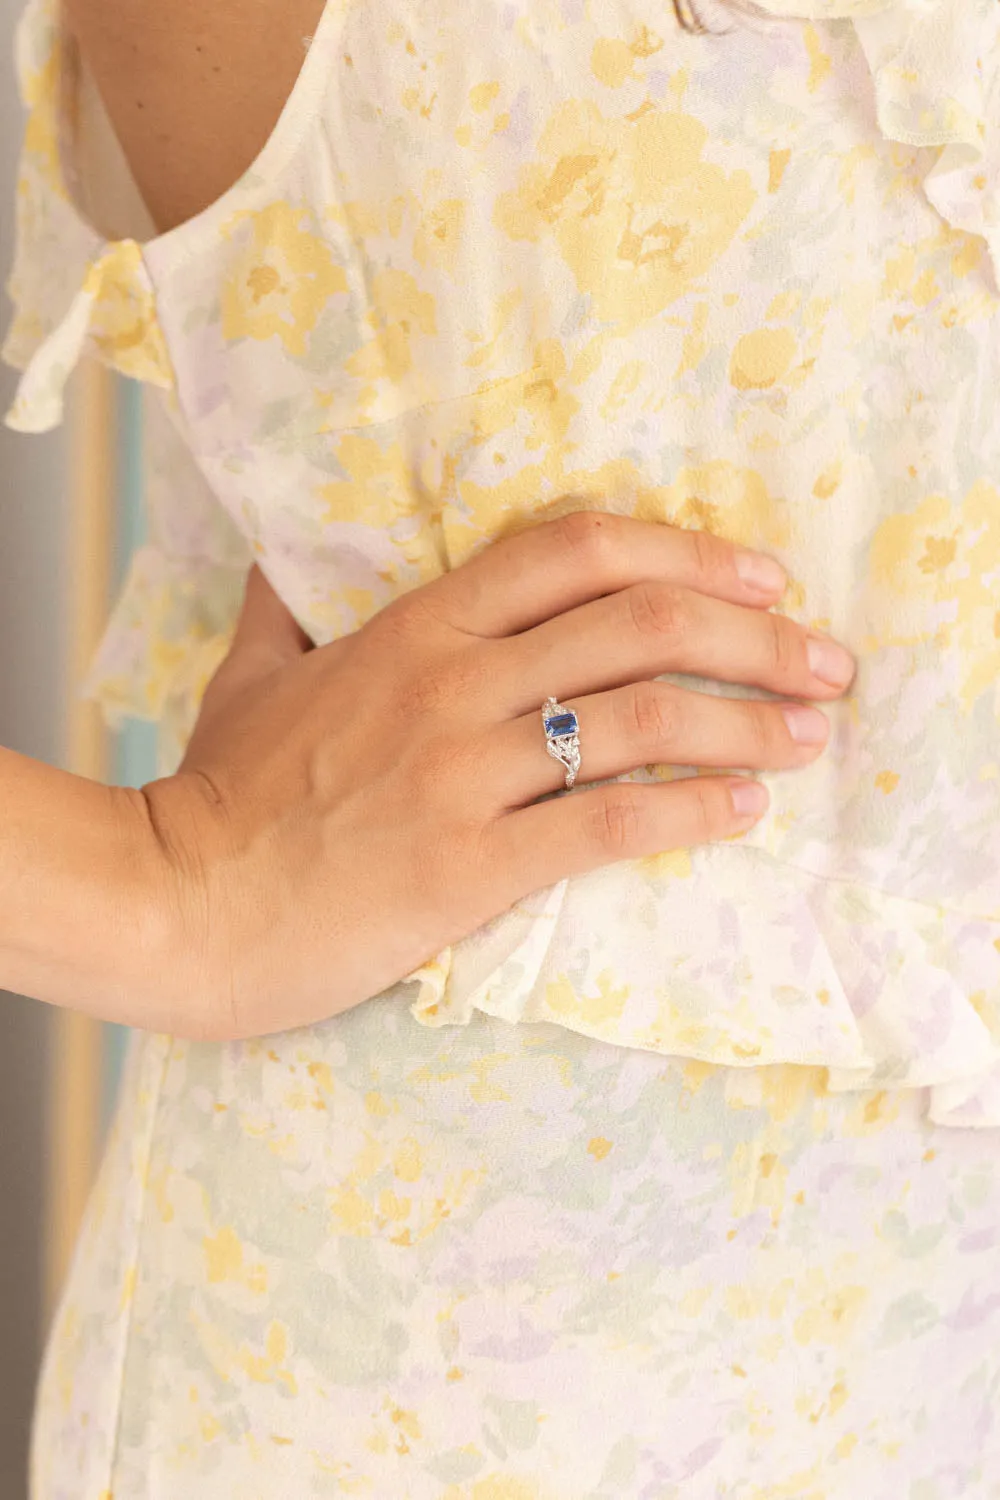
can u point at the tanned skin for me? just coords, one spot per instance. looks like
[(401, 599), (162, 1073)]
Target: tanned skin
[(193, 88)]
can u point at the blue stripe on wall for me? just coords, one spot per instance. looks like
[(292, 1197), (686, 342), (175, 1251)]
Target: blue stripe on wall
[(135, 751)]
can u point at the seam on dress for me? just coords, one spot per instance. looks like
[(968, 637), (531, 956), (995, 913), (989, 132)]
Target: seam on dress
[(337, 430)]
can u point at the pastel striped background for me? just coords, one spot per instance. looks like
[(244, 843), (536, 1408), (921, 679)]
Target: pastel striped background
[(106, 472)]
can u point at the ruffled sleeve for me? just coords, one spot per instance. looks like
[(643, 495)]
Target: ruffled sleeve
[(176, 614), (936, 71), (77, 293)]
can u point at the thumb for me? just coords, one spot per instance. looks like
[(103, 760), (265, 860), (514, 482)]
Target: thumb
[(266, 626)]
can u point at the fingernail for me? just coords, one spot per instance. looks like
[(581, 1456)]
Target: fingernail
[(807, 726), (749, 798), (829, 662), (760, 573)]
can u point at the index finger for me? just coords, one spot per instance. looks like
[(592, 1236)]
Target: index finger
[(551, 567)]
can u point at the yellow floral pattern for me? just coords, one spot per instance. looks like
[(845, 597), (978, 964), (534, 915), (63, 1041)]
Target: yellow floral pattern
[(676, 1180), (281, 280), (635, 209), (942, 557)]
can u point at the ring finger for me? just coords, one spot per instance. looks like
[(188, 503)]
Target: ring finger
[(651, 723)]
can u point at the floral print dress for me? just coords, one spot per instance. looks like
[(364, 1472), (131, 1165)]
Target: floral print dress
[(679, 1179)]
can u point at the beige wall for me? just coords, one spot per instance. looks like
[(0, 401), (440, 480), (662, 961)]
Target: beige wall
[(32, 594)]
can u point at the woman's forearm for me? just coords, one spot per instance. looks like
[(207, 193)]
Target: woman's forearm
[(81, 923)]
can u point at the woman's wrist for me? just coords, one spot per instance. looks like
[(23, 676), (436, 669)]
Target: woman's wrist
[(86, 918)]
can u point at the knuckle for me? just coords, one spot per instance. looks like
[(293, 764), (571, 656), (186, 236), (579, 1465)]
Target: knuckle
[(710, 818), (614, 822), (413, 621), (711, 555), (398, 627), (438, 685), (784, 649), (652, 715), (590, 536), (656, 609), (759, 730)]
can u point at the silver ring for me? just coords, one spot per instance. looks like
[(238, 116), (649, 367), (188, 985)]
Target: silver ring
[(562, 737)]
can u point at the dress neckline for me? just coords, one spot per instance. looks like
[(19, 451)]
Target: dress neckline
[(299, 111)]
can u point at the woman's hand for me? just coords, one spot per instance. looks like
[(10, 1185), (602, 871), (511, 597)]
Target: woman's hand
[(342, 813)]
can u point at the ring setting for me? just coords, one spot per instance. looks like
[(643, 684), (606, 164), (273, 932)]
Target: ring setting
[(562, 737)]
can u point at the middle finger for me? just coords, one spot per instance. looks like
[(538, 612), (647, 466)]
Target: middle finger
[(651, 628)]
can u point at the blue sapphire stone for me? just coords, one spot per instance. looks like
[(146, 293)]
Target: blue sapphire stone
[(561, 724)]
